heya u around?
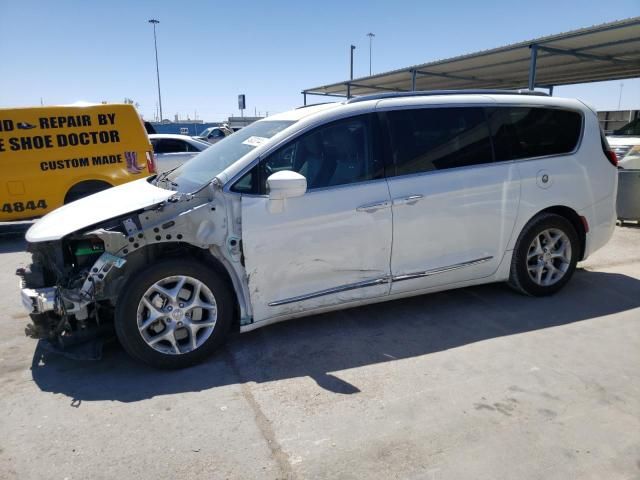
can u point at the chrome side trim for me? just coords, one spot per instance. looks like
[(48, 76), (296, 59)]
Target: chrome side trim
[(378, 281), (435, 271), (329, 291)]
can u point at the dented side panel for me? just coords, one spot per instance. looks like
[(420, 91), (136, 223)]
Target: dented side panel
[(316, 243), (205, 221)]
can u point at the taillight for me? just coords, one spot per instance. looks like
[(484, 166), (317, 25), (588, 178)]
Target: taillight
[(612, 157), (585, 224), (151, 162), (610, 154)]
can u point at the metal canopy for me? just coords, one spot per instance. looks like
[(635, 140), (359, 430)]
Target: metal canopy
[(610, 51)]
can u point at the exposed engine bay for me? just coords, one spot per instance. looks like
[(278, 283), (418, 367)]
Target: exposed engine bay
[(72, 284)]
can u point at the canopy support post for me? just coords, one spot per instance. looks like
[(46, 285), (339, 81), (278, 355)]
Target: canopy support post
[(532, 66)]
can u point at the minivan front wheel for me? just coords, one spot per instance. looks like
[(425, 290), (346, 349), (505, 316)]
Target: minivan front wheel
[(545, 256), (173, 314)]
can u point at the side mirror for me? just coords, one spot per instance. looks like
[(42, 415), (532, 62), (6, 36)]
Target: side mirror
[(286, 184)]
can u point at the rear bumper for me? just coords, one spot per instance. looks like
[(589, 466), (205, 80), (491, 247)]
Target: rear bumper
[(601, 217)]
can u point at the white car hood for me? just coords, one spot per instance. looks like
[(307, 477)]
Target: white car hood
[(96, 208)]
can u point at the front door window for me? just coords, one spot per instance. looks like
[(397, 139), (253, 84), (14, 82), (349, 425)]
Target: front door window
[(338, 153)]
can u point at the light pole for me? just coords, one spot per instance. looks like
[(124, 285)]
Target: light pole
[(370, 35), (154, 22), (353, 47), (620, 96)]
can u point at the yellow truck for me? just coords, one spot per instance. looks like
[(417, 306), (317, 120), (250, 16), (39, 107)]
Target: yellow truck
[(50, 156)]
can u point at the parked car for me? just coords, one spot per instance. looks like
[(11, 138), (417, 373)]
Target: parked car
[(172, 150), (215, 134), (328, 207), (626, 143)]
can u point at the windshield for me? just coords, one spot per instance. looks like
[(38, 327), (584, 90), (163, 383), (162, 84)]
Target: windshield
[(202, 168), (631, 128), (206, 132)]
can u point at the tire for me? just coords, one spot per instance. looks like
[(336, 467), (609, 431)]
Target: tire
[(84, 189), (181, 338), (539, 272)]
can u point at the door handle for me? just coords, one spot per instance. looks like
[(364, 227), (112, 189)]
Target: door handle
[(410, 200), (372, 207)]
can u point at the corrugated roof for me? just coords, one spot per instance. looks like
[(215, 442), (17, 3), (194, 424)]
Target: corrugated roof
[(609, 51)]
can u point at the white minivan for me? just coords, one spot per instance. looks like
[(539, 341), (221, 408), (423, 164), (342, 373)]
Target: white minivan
[(328, 207)]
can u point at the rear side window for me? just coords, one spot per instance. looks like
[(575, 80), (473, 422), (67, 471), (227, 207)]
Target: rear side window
[(170, 145), (191, 148), (429, 139), (524, 132)]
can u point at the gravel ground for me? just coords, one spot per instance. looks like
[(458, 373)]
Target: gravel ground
[(474, 383)]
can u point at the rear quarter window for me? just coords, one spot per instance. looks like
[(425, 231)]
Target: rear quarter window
[(526, 132), (428, 139)]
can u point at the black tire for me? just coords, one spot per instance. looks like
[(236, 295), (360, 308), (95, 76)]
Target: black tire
[(127, 307), (519, 278), (84, 189)]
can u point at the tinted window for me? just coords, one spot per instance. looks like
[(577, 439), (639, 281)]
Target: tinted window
[(438, 138), (193, 148), (217, 134), (335, 154), (169, 145), (521, 132)]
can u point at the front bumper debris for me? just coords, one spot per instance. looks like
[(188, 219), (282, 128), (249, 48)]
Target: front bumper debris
[(39, 300)]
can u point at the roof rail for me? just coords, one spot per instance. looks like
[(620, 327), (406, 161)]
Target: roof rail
[(313, 105), (382, 96)]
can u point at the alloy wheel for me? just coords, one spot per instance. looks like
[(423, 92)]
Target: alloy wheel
[(549, 257), (176, 315)]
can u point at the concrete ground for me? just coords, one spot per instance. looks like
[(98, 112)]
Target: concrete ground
[(475, 383)]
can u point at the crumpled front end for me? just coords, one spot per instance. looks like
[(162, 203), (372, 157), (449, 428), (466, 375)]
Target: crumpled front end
[(61, 293), (71, 288)]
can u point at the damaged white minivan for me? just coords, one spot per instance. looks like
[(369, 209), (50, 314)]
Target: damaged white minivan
[(327, 207)]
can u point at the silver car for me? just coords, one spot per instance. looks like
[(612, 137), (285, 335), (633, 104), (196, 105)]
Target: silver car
[(215, 134), (173, 150)]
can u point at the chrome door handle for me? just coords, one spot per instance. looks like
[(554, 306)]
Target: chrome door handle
[(372, 207), (410, 200)]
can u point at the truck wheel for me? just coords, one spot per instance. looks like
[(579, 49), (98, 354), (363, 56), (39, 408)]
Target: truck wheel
[(545, 255), (84, 189), (173, 314)]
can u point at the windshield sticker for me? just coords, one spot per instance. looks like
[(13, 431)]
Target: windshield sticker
[(255, 141)]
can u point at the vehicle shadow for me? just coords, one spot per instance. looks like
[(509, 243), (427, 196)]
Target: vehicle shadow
[(15, 228), (316, 346), (12, 242)]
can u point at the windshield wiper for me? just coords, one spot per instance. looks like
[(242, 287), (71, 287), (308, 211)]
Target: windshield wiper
[(163, 178)]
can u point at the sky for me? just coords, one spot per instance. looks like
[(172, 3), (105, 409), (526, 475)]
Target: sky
[(65, 51)]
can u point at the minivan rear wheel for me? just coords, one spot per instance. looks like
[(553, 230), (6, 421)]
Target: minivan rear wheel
[(173, 314), (545, 255)]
